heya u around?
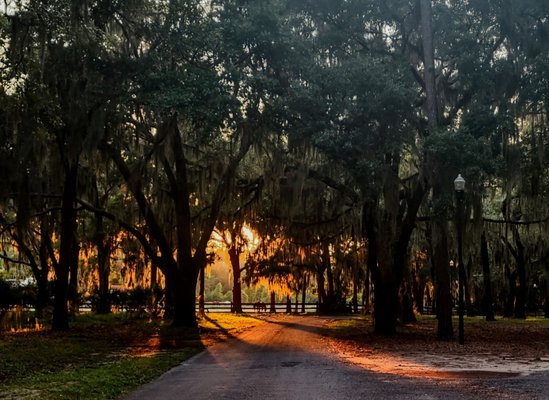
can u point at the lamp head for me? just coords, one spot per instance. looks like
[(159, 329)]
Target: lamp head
[(459, 184)]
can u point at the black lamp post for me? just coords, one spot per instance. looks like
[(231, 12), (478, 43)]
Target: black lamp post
[(459, 187)]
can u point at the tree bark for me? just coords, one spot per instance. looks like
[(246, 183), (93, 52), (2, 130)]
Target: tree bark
[(74, 300), (103, 246), (66, 251), (388, 239), (104, 268), (511, 294), (303, 293), (487, 301), (385, 304), (418, 288), (520, 302), (42, 278), (355, 296), (234, 256), (429, 62), (467, 287), (546, 307), (330, 296), (440, 228), (202, 292), (184, 312), (320, 281), (366, 292), (273, 302), (407, 302), (519, 291), (154, 278), (442, 288)]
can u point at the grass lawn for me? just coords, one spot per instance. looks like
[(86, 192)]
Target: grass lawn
[(102, 357)]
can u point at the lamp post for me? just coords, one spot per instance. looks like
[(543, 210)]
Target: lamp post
[(459, 187)]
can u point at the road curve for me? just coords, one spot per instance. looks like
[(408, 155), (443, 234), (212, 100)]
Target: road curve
[(286, 358)]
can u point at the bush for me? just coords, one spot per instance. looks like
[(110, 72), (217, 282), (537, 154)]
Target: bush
[(139, 298), (119, 299), (7, 295), (12, 294), (136, 299)]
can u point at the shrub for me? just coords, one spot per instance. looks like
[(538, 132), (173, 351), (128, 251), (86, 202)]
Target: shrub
[(7, 295), (12, 294)]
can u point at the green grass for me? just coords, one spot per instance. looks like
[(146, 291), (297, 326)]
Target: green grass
[(102, 357)]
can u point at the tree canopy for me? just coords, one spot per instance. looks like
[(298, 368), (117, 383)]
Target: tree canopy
[(332, 130)]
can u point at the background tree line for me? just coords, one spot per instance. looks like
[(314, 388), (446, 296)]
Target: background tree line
[(332, 129)]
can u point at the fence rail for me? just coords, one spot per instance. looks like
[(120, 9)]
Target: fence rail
[(220, 306)]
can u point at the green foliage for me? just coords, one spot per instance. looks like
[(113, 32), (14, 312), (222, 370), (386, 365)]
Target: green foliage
[(461, 151), (218, 293), (12, 294), (155, 102), (8, 299)]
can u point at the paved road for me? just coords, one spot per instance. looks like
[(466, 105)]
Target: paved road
[(288, 359)]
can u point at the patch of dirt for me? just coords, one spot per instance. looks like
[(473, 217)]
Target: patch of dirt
[(492, 350)]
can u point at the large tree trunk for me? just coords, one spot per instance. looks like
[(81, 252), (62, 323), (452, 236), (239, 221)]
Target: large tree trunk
[(184, 313), (330, 298), (202, 292), (42, 295), (442, 283), (487, 301), (366, 292), (385, 303), (39, 267), (387, 278), (386, 283), (66, 250), (303, 293), (546, 308), (74, 300), (154, 276), (103, 245), (104, 268), (467, 287), (42, 279), (169, 296), (407, 302), (440, 226), (518, 293), (511, 293), (320, 281), (273, 302), (234, 256), (520, 303), (418, 288), (429, 62), (354, 301)]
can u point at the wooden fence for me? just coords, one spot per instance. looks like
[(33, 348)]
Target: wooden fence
[(227, 307)]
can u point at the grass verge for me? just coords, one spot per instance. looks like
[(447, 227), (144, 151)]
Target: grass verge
[(102, 357)]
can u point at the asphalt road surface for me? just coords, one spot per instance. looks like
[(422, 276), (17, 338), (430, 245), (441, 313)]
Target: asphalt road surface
[(288, 358)]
